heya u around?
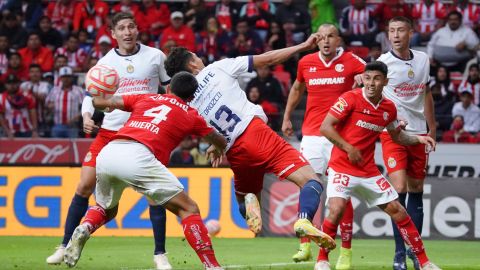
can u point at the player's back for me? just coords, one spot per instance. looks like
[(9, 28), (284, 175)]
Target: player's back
[(325, 82), (160, 122), (361, 123), (140, 73), (221, 101), (406, 87)]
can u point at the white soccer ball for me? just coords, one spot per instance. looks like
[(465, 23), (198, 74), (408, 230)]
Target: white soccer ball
[(102, 81), (213, 227)]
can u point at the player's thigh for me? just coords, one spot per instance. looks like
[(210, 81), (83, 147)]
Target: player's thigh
[(317, 150), (340, 185), (417, 167), (395, 210), (395, 156), (247, 180), (376, 191), (336, 207)]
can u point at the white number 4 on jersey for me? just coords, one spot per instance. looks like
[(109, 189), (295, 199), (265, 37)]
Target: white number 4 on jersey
[(158, 113)]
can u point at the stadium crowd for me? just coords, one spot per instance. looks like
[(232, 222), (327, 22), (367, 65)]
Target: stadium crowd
[(47, 46)]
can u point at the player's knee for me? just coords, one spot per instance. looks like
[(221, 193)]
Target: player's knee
[(397, 211), (335, 212), (85, 188), (192, 208), (415, 186)]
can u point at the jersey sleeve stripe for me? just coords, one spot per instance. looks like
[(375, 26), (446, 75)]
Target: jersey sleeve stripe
[(250, 63)]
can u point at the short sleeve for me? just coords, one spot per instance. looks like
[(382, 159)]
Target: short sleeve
[(200, 127), (300, 77), (343, 106), (162, 72), (236, 66), (393, 121), (358, 64), (129, 101)]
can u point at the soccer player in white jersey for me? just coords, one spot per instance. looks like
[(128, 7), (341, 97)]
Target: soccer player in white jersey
[(325, 75), (408, 75), (141, 70), (253, 148)]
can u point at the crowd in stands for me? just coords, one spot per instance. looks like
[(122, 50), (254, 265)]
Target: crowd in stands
[(47, 46)]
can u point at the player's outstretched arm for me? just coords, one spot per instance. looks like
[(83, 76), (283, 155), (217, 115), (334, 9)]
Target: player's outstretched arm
[(281, 55), (294, 97), (216, 150), (108, 105), (401, 137), (328, 130)]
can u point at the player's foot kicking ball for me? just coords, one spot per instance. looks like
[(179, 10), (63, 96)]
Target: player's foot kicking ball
[(304, 228), (411, 255), (322, 265), (344, 261), (76, 244), (57, 256), (304, 253), (161, 262), (430, 266), (400, 261), (253, 213)]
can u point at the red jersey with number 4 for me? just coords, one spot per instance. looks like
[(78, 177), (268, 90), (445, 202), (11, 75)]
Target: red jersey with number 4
[(160, 122), (325, 82), (361, 123)]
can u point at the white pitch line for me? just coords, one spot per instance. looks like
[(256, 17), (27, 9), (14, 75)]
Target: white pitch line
[(239, 266)]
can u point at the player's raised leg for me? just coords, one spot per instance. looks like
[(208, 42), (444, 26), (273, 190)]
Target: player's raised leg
[(249, 207)]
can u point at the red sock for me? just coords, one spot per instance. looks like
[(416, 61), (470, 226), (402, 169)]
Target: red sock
[(197, 236), (95, 218), (304, 240), (330, 229), (412, 238), (346, 225)]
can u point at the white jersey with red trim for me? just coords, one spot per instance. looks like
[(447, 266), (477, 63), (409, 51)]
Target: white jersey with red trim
[(406, 87), (140, 73), (220, 100)]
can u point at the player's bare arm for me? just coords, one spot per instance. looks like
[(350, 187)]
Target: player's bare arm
[(429, 112), (328, 130), (281, 55), (114, 102), (401, 137), (294, 98), (216, 150)]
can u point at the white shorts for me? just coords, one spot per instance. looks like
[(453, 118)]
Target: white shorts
[(317, 150), (121, 164), (374, 190)]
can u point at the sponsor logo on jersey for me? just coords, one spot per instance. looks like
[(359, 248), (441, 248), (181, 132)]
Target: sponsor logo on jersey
[(392, 162), (385, 116), (212, 103), (408, 90), (340, 105), (369, 126), (325, 81), (312, 69), (128, 85), (339, 67), (203, 83)]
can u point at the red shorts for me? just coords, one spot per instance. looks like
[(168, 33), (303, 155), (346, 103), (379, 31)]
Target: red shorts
[(413, 159), (103, 137), (260, 150)]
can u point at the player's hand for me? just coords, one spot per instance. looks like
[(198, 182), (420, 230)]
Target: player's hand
[(287, 128), (215, 155), (428, 141), (88, 125), (311, 42), (402, 124), (358, 81), (355, 156)]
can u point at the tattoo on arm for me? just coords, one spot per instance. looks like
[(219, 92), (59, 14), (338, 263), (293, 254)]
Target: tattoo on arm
[(405, 139)]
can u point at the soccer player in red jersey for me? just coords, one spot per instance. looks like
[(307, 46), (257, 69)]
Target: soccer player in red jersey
[(353, 124), (136, 157), (325, 75), (408, 75)]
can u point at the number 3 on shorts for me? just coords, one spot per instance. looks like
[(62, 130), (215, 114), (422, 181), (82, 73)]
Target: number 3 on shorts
[(339, 178)]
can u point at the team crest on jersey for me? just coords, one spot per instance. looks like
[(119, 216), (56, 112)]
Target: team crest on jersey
[(339, 67), (88, 157), (411, 74), (130, 69), (392, 162), (340, 105), (385, 116)]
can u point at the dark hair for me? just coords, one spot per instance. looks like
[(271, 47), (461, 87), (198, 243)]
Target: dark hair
[(473, 66), (377, 66), (401, 19), (183, 85), (177, 60), (121, 16), (34, 66), (33, 33), (455, 12), (13, 54)]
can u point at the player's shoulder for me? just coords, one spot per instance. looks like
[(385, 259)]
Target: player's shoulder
[(350, 56), (311, 57), (150, 50), (386, 57), (388, 103), (420, 56)]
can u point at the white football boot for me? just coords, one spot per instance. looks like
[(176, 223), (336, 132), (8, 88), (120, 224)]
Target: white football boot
[(161, 262), (57, 256), (76, 244)]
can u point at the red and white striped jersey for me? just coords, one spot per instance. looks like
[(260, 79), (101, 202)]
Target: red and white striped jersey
[(39, 89), (473, 88), (75, 59), (471, 14), (66, 104), (357, 21), (17, 113), (428, 17)]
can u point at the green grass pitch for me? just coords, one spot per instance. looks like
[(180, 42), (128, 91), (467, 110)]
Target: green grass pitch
[(128, 253)]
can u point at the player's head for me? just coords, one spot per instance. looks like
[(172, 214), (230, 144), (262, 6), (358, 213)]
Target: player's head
[(181, 59), (375, 78), (183, 85), (329, 40), (124, 30), (400, 31)]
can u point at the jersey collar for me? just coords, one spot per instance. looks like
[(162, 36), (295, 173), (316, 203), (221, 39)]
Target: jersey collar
[(339, 53), (125, 55), (373, 105), (398, 57)]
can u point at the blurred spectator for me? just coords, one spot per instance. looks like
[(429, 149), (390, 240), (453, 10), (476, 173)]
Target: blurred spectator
[(90, 15), (443, 107), (374, 53), (39, 90), (145, 39), (126, 6), (428, 16), (65, 101), (182, 156), (212, 44), (321, 11), (61, 12), (287, 12), (75, 55), (469, 111), (254, 95), (442, 79), (457, 134), (35, 53), (357, 23), (259, 14), (195, 14), (382, 39), (84, 42), (49, 36), (12, 28), (452, 45), (4, 54), (199, 153), (245, 41), (269, 87), (275, 37), (227, 13), (18, 117), (389, 9), (470, 13), (105, 30), (177, 34), (472, 83), (60, 61), (152, 18), (31, 11), (15, 67)]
